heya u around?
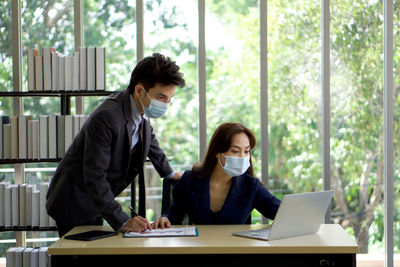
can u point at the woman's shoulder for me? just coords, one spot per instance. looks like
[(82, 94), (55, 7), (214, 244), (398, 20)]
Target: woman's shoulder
[(247, 178)]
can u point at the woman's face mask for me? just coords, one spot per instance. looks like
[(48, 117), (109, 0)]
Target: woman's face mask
[(235, 166), (156, 108)]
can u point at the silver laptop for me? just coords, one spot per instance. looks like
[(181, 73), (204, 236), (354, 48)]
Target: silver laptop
[(298, 214)]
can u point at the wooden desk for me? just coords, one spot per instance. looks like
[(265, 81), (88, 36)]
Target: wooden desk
[(215, 246)]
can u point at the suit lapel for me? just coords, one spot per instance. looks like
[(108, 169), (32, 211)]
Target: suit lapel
[(146, 138), (201, 199)]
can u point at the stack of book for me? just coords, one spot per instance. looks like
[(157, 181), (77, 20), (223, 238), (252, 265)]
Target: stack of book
[(46, 138), (23, 206), (27, 256), (85, 70)]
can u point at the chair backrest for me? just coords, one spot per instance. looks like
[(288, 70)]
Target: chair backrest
[(168, 185)]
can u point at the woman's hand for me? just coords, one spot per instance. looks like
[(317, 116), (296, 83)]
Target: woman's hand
[(162, 223)]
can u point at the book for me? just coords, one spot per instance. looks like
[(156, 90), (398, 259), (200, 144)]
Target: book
[(7, 206), (82, 119), (19, 256), (6, 141), (30, 140), (38, 71), (26, 257), (82, 68), (3, 186), (34, 257), (10, 257), (52, 136), (44, 218), (35, 139), (46, 53), (91, 68), (43, 139), (60, 136), (28, 203), (23, 136), (22, 204), (43, 256), (68, 133), (35, 208), (31, 70), (75, 72), (3, 120), (61, 73), (54, 71), (14, 205), (68, 73), (175, 231), (14, 137), (100, 68), (76, 124)]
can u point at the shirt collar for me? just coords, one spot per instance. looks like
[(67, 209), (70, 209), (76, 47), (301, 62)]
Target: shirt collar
[(137, 118)]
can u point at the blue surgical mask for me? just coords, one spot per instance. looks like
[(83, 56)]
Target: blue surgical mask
[(235, 166), (156, 108)]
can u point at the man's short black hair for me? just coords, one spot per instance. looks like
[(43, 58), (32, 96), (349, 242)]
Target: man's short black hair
[(156, 69)]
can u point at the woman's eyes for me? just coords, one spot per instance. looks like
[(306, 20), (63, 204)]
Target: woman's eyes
[(237, 152)]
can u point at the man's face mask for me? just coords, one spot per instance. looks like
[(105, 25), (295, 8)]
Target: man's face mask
[(156, 108)]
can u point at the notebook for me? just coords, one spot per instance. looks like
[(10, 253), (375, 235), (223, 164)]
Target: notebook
[(298, 214)]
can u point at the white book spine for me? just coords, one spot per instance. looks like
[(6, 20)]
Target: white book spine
[(8, 206), (52, 137), (46, 53), (54, 71), (60, 136), (68, 73), (75, 121), (44, 218), (22, 137), (31, 70), (30, 140), (91, 69), (82, 119), (35, 139), (68, 131), (38, 73), (3, 186), (100, 68), (44, 140), (75, 72), (61, 73), (82, 68), (22, 205), (35, 208), (35, 257), (43, 257), (28, 204), (14, 137), (18, 256), (26, 257), (10, 257), (7, 141), (14, 205)]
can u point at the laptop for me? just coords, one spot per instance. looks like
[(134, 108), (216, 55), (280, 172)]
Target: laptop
[(298, 214)]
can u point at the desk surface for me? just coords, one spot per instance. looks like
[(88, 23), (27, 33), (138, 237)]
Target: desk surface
[(212, 239)]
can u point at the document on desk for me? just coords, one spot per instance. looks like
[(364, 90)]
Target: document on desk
[(166, 232)]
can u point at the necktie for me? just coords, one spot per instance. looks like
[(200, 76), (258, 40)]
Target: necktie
[(142, 187)]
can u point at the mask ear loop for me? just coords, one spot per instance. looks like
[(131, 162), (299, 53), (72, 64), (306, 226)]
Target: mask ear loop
[(220, 160), (140, 99)]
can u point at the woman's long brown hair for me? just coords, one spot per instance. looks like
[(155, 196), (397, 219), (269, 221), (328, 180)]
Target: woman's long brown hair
[(220, 143)]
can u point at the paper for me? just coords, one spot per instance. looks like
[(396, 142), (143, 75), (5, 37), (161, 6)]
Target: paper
[(180, 231)]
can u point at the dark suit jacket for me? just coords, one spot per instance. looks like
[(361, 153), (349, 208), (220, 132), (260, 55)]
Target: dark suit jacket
[(192, 197), (98, 165)]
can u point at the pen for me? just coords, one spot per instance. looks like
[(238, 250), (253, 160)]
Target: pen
[(134, 214)]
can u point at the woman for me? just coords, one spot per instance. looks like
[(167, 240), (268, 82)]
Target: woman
[(221, 189)]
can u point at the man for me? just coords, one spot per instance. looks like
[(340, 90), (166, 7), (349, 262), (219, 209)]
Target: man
[(111, 149)]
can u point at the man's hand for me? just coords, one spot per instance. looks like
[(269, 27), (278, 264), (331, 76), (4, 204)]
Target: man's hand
[(137, 224), (177, 176), (161, 222)]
